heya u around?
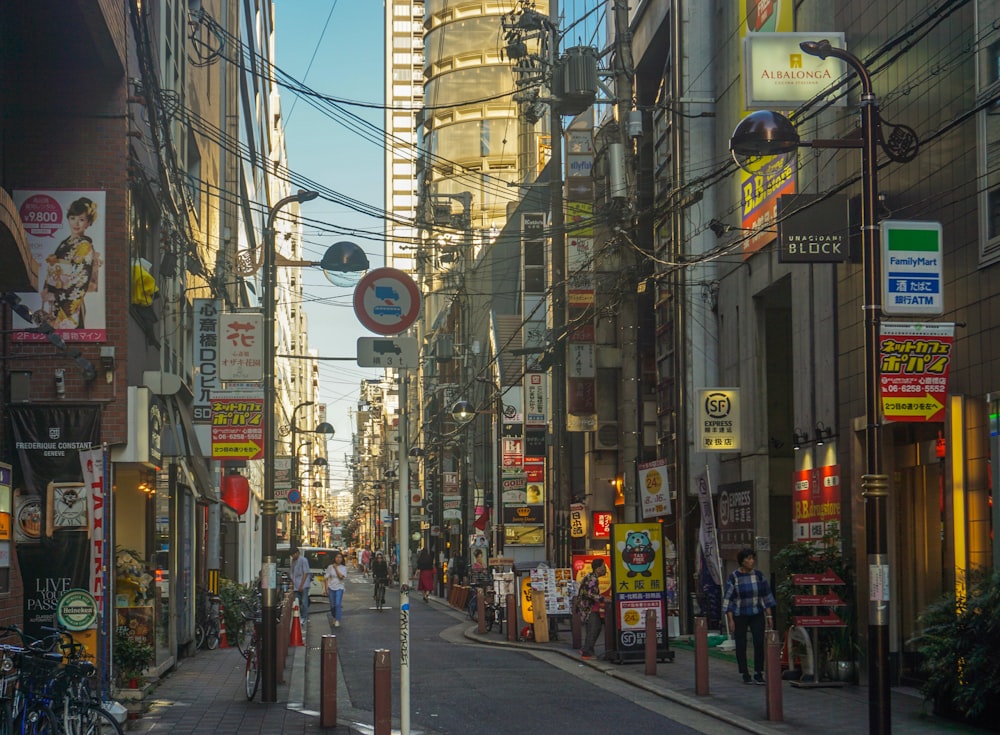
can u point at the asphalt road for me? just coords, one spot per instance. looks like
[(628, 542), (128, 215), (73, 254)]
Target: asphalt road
[(460, 687)]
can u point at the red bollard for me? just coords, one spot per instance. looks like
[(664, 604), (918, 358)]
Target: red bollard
[(383, 692), (772, 667), (650, 643), (701, 656), (328, 682), (511, 618)]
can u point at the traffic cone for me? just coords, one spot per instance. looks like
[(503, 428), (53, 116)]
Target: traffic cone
[(296, 635), (223, 643)]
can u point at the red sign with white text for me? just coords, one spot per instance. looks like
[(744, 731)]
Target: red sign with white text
[(913, 370)]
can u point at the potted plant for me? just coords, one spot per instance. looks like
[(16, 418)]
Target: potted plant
[(131, 657), (837, 648), (961, 650)]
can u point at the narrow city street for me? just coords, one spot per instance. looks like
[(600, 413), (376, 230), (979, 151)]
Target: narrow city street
[(458, 686)]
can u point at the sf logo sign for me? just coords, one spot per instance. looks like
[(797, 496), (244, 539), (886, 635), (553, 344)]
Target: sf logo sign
[(720, 419)]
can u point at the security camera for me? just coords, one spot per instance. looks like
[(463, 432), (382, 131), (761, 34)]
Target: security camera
[(60, 382)]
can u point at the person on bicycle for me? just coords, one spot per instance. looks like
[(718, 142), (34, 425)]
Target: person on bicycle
[(380, 573)]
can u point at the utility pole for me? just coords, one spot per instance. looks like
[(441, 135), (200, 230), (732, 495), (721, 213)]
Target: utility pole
[(630, 415), (561, 455)]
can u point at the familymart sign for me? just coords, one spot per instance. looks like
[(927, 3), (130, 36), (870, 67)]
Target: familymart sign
[(912, 268)]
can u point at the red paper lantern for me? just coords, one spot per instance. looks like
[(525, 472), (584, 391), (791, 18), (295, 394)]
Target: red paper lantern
[(236, 492)]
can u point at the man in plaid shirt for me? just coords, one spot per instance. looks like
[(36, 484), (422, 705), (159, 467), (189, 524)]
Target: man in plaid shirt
[(746, 601)]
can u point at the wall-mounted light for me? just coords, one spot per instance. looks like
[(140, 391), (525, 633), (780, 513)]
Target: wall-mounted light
[(799, 438), (60, 377), (823, 433)]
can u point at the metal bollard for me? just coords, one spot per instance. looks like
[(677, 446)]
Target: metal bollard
[(772, 667), (511, 618), (481, 610), (650, 648), (328, 682), (701, 656), (383, 692), (610, 634)]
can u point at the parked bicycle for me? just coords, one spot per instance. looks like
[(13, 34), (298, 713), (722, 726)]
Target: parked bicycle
[(48, 687), (493, 607), (251, 651), (207, 630)]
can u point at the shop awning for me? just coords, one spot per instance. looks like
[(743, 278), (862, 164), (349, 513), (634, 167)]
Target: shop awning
[(196, 459)]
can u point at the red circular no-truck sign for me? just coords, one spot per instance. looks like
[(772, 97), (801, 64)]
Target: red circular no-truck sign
[(386, 301)]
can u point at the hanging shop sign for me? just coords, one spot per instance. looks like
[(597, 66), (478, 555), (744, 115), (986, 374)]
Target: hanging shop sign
[(735, 518), (654, 488), (912, 268), (778, 75), (577, 520), (914, 361), (207, 313), (241, 347), (719, 419), (237, 426), (811, 229)]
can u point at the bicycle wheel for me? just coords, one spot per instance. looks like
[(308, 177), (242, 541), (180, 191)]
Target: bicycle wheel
[(95, 720), (241, 636), (212, 637), (253, 671), (490, 617), (199, 636), (37, 719)]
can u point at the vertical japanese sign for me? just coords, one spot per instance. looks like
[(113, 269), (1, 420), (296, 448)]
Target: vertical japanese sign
[(92, 465), (654, 489), (815, 502), (237, 425), (66, 235), (207, 313), (241, 347), (638, 584), (913, 370)]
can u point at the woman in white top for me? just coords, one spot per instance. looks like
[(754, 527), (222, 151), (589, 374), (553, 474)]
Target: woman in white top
[(335, 575)]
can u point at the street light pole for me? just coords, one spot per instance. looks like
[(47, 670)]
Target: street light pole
[(762, 134), (874, 482), (269, 535), (296, 525)]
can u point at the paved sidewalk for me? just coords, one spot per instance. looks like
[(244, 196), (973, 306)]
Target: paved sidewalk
[(830, 710)]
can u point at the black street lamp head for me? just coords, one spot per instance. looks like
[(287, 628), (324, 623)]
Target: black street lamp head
[(304, 195), (817, 48), (344, 257), (324, 428)]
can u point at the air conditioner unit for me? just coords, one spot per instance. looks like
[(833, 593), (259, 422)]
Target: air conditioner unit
[(606, 436)]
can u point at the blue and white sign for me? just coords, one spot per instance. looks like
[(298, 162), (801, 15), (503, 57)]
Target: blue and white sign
[(912, 268)]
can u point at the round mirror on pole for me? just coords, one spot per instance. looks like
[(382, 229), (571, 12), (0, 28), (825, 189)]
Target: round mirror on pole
[(463, 412), (764, 143), (344, 263)]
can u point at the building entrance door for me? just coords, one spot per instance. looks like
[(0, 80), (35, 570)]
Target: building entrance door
[(920, 558)]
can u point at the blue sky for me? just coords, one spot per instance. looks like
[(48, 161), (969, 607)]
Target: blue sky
[(348, 64)]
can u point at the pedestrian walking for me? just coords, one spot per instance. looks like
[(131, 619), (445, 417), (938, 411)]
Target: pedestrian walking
[(425, 573), (335, 575), (366, 557), (748, 604), (590, 606), (301, 581)]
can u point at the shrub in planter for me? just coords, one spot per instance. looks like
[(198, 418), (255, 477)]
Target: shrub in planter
[(130, 658), (960, 645)]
